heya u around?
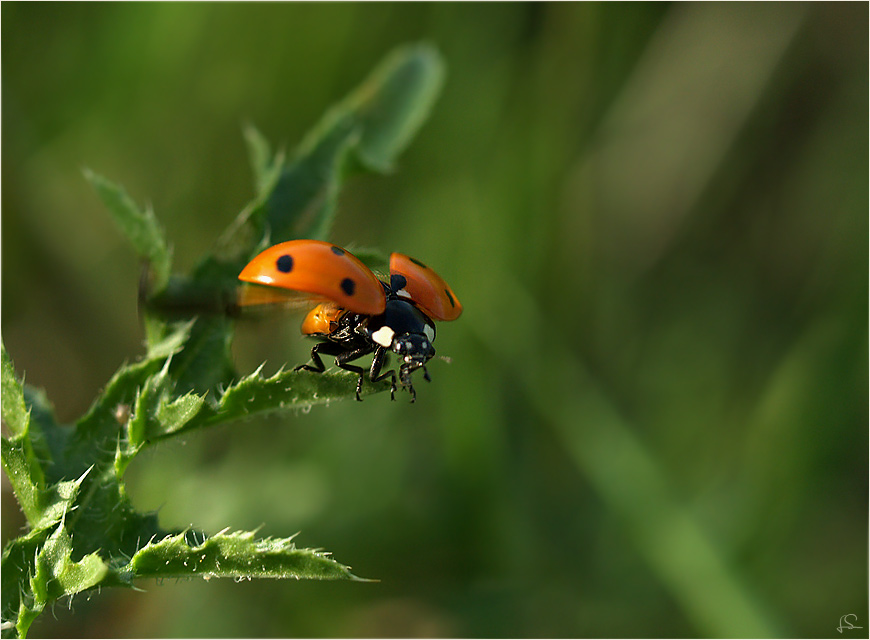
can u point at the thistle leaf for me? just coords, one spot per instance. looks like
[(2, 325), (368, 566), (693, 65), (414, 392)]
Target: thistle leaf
[(139, 225), (15, 414), (232, 555)]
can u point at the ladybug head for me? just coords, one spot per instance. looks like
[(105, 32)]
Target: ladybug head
[(414, 348)]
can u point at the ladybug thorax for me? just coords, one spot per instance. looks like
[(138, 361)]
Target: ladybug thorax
[(403, 329)]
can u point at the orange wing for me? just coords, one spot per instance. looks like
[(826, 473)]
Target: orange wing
[(426, 288), (322, 269)]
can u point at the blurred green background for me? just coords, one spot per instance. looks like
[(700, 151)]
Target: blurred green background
[(655, 420)]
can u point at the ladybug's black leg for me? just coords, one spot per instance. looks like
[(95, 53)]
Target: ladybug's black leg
[(405, 376), (328, 348), (343, 358), (375, 372)]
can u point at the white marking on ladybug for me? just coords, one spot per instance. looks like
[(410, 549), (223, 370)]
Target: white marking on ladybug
[(403, 293), (383, 336), (430, 332)]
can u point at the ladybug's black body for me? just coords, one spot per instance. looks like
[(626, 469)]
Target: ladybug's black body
[(402, 328)]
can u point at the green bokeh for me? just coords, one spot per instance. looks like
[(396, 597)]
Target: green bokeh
[(654, 421)]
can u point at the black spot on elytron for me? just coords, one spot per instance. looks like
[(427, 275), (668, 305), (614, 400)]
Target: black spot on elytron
[(450, 297), (337, 250), (285, 263), (348, 286), (398, 282), (417, 262)]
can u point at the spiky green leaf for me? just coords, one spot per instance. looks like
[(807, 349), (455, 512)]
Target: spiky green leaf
[(232, 555), (57, 574), (15, 414)]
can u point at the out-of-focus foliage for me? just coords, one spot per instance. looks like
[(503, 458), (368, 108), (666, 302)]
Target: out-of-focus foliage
[(654, 421)]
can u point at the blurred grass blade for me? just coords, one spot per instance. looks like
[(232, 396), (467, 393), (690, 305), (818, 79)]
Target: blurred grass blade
[(604, 447), (666, 111), (140, 226)]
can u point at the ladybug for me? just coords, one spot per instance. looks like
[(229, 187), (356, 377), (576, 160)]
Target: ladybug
[(358, 313)]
